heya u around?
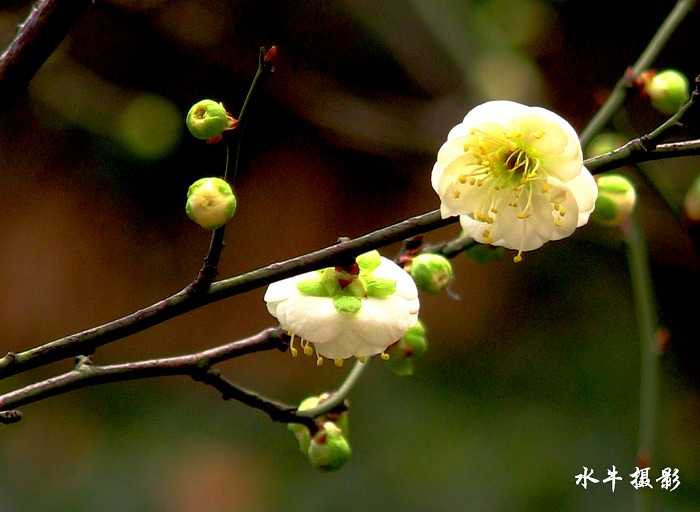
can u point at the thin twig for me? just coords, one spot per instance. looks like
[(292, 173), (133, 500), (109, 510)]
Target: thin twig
[(648, 326), (87, 341), (197, 365), (47, 24), (645, 60), (210, 268)]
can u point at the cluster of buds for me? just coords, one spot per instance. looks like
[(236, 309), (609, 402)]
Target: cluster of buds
[(327, 449), (210, 201)]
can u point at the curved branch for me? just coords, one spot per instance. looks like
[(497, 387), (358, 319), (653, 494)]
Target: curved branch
[(47, 25), (645, 60), (196, 365), (87, 341)]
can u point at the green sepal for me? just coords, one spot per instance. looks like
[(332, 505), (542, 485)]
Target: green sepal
[(368, 261), (347, 303), (323, 284), (313, 286), (379, 286)]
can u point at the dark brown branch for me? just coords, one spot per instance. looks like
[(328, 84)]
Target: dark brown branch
[(87, 341), (636, 151), (196, 365), (46, 26)]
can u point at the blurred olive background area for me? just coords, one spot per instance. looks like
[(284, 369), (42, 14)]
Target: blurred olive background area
[(533, 369)]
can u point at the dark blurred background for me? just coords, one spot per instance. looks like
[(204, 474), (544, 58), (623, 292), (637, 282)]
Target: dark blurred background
[(532, 373)]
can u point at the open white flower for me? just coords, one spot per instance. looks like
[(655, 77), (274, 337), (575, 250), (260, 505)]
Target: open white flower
[(514, 174), (355, 311)]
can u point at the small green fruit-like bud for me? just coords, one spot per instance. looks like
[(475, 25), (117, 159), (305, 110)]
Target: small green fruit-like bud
[(341, 421), (406, 350), (431, 272), (668, 90), (616, 200), (210, 203), (691, 205), (208, 119), (329, 450)]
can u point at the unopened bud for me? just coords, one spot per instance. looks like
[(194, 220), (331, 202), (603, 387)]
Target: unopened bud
[(208, 119), (329, 450), (668, 90), (210, 203), (691, 204), (340, 419), (404, 352), (616, 200), (431, 272)]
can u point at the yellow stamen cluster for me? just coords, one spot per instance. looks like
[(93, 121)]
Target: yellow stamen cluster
[(308, 350), (508, 167)]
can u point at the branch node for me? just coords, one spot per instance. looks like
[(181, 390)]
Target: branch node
[(9, 417), (82, 362)]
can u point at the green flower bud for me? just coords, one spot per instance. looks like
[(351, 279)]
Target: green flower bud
[(616, 200), (431, 272), (402, 354), (301, 432), (208, 119), (329, 450), (668, 90), (483, 253), (210, 203), (691, 204)]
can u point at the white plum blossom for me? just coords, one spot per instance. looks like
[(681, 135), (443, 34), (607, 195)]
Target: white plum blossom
[(514, 174), (358, 310)]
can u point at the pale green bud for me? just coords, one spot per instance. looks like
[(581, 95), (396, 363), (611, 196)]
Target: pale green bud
[(329, 450), (616, 200), (341, 420), (208, 119), (691, 204), (210, 203), (431, 272), (402, 354), (668, 90)]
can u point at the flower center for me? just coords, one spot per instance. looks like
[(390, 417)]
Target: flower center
[(508, 170)]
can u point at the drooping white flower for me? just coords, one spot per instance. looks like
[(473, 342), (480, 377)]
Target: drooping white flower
[(514, 174), (344, 312)]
